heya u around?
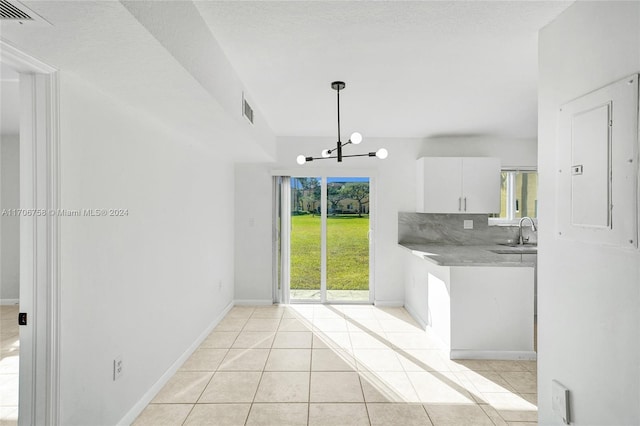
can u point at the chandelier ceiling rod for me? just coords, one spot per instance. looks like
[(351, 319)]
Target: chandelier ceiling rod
[(355, 139), (337, 83)]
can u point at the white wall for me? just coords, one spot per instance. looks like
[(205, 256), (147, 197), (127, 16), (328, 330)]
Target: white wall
[(588, 295), (512, 152), (9, 225), (253, 243), (395, 180), (144, 286), (416, 279), (201, 55)]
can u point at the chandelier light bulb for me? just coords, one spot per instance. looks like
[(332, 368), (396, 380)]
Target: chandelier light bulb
[(356, 138), (325, 153), (301, 159), (382, 153)]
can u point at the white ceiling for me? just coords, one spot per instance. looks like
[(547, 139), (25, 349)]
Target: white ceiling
[(413, 69), (100, 43)]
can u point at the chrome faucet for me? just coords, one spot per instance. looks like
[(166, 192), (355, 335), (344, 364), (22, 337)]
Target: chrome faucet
[(521, 240)]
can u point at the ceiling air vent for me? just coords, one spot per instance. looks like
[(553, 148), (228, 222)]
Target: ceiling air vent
[(9, 11), (12, 12), (247, 111)]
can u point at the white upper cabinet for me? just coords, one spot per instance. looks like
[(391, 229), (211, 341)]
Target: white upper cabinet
[(458, 185), (439, 185)]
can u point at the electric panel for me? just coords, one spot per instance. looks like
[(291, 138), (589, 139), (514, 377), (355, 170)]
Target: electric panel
[(597, 169)]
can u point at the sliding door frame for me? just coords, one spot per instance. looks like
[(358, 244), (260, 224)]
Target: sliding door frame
[(284, 215), (281, 237)]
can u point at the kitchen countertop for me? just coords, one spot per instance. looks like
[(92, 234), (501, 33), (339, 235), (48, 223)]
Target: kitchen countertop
[(471, 255)]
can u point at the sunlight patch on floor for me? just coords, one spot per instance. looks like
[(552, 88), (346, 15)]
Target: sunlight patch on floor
[(304, 363)]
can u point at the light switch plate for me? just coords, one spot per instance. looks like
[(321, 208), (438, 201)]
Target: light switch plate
[(560, 401), (468, 224)]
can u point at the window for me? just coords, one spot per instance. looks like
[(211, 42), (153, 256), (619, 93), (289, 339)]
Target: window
[(518, 195)]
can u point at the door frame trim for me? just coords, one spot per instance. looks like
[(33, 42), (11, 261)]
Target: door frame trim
[(39, 401)]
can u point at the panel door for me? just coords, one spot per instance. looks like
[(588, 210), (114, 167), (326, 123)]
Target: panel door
[(480, 185), (439, 185)]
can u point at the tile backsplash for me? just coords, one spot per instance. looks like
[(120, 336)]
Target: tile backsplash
[(436, 228)]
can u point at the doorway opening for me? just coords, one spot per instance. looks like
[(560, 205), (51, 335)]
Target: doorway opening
[(9, 243), (39, 296), (328, 240)]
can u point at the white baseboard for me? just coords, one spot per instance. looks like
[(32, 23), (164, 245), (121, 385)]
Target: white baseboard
[(415, 316), (389, 303), (135, 411), (499, 355), (257, 302), (5, 302)]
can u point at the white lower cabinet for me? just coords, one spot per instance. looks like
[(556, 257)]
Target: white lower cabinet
[(479, 312)]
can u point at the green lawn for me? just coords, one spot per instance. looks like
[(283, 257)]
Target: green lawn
[(347, 252)]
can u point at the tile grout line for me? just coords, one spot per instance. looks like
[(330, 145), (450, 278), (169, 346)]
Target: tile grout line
[(364, 399), (491, 418), (313, 335), (212, 376), (262, 372), (246, 420), (259, 381), (428, 416), (310, 371), (310, 364)]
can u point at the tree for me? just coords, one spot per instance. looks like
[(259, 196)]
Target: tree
[(310, 193), (335, 195), (357, 191)]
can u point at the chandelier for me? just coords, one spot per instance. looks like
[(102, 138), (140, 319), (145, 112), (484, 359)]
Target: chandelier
[(355, 139)]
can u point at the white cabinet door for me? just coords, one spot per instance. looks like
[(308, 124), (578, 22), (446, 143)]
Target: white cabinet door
[(458, 185), (480, 185), (439, 185)]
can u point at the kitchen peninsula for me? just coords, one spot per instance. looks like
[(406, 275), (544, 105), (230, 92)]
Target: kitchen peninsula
[(474, 293)]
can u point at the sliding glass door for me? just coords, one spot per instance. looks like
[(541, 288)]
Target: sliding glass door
[(329, 248), (306, 239), (347, 224)]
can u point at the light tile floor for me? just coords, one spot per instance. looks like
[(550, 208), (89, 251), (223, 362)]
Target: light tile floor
[(338, 365), (342, 296), (9, 364)]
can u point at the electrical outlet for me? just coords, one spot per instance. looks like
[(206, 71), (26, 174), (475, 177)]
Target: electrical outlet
[(560, 401), (468, 224), (117, 368)]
